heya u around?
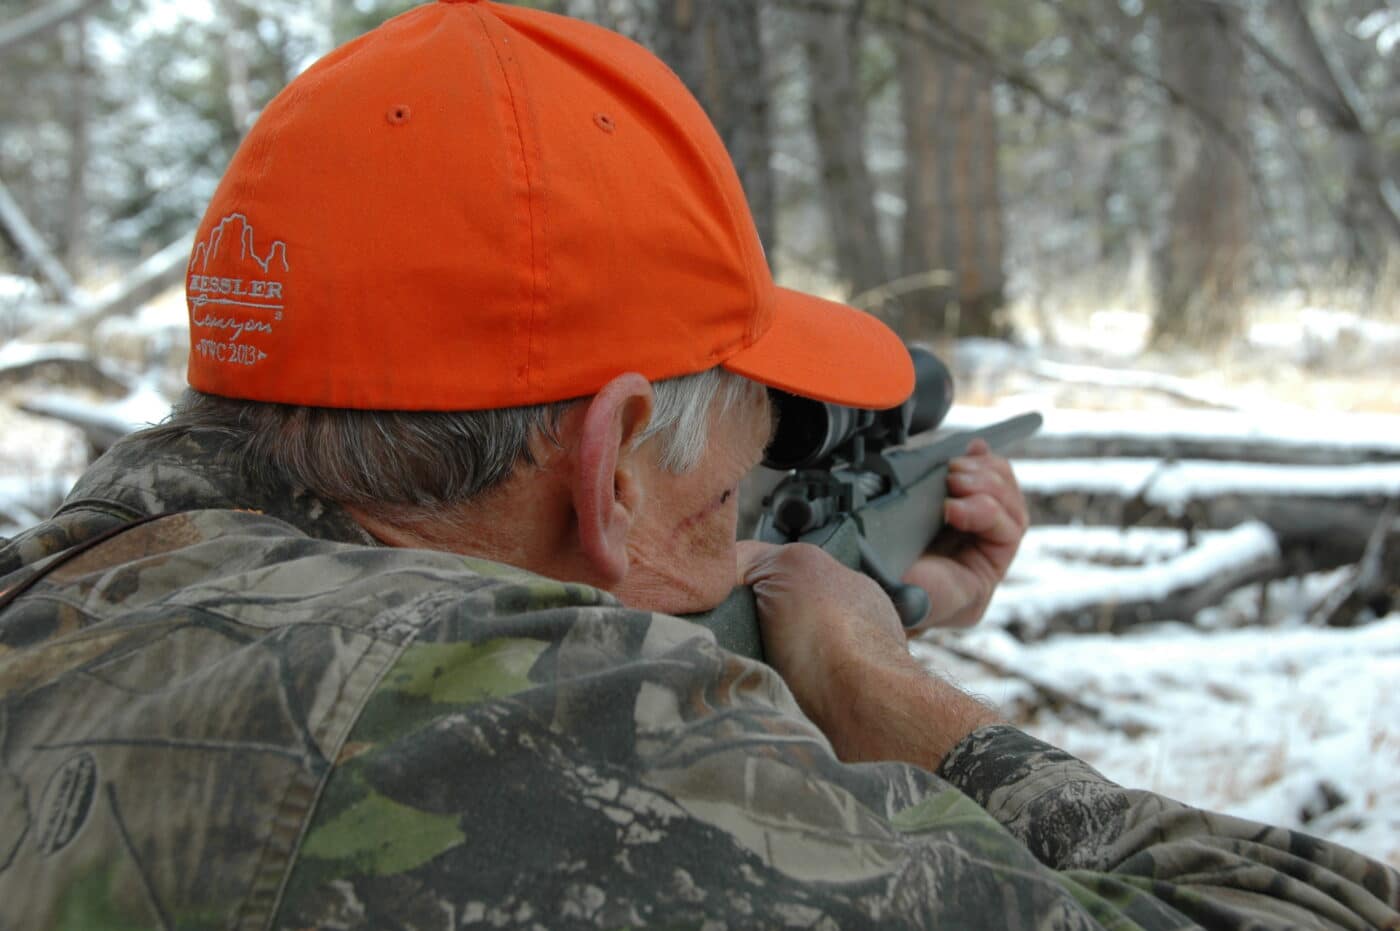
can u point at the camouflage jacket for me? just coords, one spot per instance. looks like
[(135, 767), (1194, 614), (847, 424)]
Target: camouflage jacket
[(248, 715)]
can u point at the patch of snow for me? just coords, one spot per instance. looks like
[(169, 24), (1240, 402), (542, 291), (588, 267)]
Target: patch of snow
[(1250, 722), (39, 461), (1314, 332), (16, 288), (19, 353)]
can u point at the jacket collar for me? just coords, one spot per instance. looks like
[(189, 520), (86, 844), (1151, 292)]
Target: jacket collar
[(146, 475)]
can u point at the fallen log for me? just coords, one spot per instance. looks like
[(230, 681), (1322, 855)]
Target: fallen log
[(1112, 600), (1372, 586), (61, 363), (99, 429), (1321, 517), (1303, 438), (102, 424)]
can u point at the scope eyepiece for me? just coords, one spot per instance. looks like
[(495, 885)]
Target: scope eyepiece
[(811, 433)]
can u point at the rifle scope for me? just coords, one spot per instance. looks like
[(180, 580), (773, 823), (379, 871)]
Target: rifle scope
[(811, 433)]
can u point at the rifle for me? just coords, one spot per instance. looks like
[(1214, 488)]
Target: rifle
[(865, 486)]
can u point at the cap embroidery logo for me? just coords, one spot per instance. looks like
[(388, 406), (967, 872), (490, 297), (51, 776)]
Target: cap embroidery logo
[(235, 307)]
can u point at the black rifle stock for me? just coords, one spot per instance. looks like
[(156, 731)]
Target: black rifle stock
[(873, 507)]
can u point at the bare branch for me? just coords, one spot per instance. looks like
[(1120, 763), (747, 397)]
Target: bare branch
[(147, 280), (960, 44), (34, 250), (41, 20), (1330, 89)]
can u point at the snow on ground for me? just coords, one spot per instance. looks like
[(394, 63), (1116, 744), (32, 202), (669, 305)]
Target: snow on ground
[(1293, 725)]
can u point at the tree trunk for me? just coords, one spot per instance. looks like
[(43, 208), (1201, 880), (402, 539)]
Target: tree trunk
[(1202, 262), (716, 47), (831, 43), (79, 151), (1372, 207), (239, 89), (953, 210)]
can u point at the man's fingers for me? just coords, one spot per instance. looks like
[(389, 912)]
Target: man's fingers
[(983, 516), (992, 475)]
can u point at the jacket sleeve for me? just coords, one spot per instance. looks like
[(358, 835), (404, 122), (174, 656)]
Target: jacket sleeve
[(563, 766), (1215, 869)]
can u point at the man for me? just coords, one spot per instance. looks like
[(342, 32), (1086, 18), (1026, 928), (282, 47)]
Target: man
[(376, 631)]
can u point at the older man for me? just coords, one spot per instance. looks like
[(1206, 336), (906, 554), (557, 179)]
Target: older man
[(376, 631)]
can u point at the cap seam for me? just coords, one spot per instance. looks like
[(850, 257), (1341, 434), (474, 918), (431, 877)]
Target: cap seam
[(735, 227), (538, 245)]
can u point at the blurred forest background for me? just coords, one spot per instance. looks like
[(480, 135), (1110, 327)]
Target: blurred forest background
[(959, 167)]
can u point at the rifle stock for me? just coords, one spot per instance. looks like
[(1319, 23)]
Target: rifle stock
[(882, 535)]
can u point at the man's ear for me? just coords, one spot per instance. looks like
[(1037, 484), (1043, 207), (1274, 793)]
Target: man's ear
[(606, 490)]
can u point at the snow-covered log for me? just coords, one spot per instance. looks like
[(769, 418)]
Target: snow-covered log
[(1288, 437), (67, 363), (1321, 516), (102, 424), (1112, 600), (1164, 445)]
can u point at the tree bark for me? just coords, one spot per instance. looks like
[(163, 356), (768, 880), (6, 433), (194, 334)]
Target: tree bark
[(953, 210), (1202, 262), (238, 90), (1372, 205), (79, 151), (716, 47), (831, 43)]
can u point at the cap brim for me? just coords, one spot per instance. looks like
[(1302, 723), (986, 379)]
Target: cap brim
[(828, 352)]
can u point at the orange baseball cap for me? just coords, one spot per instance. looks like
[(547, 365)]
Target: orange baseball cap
[(478, 206)]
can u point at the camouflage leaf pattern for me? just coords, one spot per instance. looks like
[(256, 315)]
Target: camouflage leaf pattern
[(246, 715)]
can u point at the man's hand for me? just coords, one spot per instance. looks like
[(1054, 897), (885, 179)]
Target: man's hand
[(833, 635), (985, 518)]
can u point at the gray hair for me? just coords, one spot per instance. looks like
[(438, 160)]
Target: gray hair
[(429, 459)]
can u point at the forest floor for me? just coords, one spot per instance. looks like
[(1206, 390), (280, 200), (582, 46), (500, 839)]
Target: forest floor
[(1248, 707)]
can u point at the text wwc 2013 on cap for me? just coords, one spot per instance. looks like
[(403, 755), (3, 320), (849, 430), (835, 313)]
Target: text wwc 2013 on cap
[(477, 205)]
